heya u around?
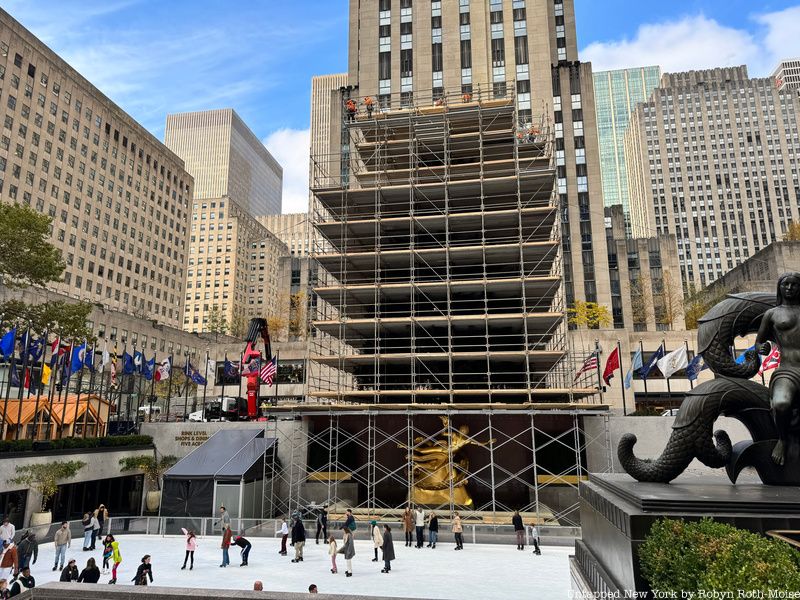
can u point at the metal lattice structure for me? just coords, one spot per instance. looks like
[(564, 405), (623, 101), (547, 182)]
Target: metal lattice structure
[(438, 306)]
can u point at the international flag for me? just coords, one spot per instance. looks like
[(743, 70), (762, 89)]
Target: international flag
[(612, 364), (652, 362), (138, 361), (674, 362), (46, 371), (211, 371), (693, 368), (35, 349), (231, 369), (191, 373), (7, 343), (772, 360), (743, 356), (88, 360), (128, 368), (268, 371), (55, 352), (14, 374), (590, 363), (78, 356), (164, 369), (636, 364), (105, 357), (148, 368), (252, 368)]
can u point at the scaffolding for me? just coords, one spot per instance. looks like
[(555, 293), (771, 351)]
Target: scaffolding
[(438, 306)]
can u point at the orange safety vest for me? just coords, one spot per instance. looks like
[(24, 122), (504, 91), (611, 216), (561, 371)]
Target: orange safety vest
[(351, 106)]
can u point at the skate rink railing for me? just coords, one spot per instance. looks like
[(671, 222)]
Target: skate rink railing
[(270, 528)]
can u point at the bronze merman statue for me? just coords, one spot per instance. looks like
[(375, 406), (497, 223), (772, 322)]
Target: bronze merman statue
[(782, 326), (769, 414)]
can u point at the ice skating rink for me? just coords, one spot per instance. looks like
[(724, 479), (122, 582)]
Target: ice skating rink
[(479, 572)]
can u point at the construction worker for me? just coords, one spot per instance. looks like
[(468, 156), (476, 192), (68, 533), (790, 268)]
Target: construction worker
[(369, 103), (466, 97), (350, 107)]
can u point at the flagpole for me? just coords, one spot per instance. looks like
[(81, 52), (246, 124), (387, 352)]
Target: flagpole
[(51, 386), (8, 380), (596, 351), (278, 362), (205, 389), (691, 382), (151, 399), (241, 370), (186, 374), (622, 380), (664, 347), (169, 386), (64, 408), (102, 377), (646, 395), (88, 395), (39, 387), (22, 380), (224, 374), (80, 385)]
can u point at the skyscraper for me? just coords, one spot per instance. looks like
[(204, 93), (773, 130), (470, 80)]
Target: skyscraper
[(787, 75), (616, 94), (119, 199), (226, 159), (325, 113), (712, 157)]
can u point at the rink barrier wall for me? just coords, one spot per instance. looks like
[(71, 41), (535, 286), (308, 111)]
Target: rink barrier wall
[(73, 591), (268, 528)]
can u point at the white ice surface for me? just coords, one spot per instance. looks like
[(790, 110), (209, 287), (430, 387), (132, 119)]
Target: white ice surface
[(479, 572)]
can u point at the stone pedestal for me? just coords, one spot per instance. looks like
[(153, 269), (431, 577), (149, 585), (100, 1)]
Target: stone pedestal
[(617, 513)]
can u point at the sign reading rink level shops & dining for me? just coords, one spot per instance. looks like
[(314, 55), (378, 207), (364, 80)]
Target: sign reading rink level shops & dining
[(191, 438)]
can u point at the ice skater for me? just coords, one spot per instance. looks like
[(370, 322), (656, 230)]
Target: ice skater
[(28, 548), (408, 525), (90, 574), (107, 552), (144, 572), (62, 540), (419, 524), (284, 532), (456, 527), (227, 535), (322, 523), (348, 549), (535, 540), (298, 539), (519, 530), (377, 539), (388, 549), (116, 557), (70, 572), (245, 546), (350, 521), (332, 553), (87, 531), (9, 560), (433, 530), (191, 546)]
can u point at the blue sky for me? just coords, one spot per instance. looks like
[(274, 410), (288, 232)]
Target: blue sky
[(154, 57)]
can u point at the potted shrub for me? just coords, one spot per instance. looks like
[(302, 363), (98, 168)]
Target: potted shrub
[(154, 469), (44, 478)]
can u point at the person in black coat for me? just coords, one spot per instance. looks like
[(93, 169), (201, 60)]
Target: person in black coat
[(245, 545), (388, 549), (28, 548), (70, 572), (91, 574), (144, 572), (519, 529), (298, 539), (24, 582), (322, 523)]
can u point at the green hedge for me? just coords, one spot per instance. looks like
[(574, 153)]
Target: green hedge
[(114, 441), (706, 555)]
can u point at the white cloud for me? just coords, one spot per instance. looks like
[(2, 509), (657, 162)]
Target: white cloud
[(700, 42), (291, 148)]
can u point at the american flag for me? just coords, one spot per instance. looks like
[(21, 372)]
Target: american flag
[(589, 364), (268, 371)]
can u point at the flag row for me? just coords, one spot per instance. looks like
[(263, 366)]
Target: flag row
[(667, 363)]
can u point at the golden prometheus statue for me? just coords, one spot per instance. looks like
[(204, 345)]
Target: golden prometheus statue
[(437, 470)]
